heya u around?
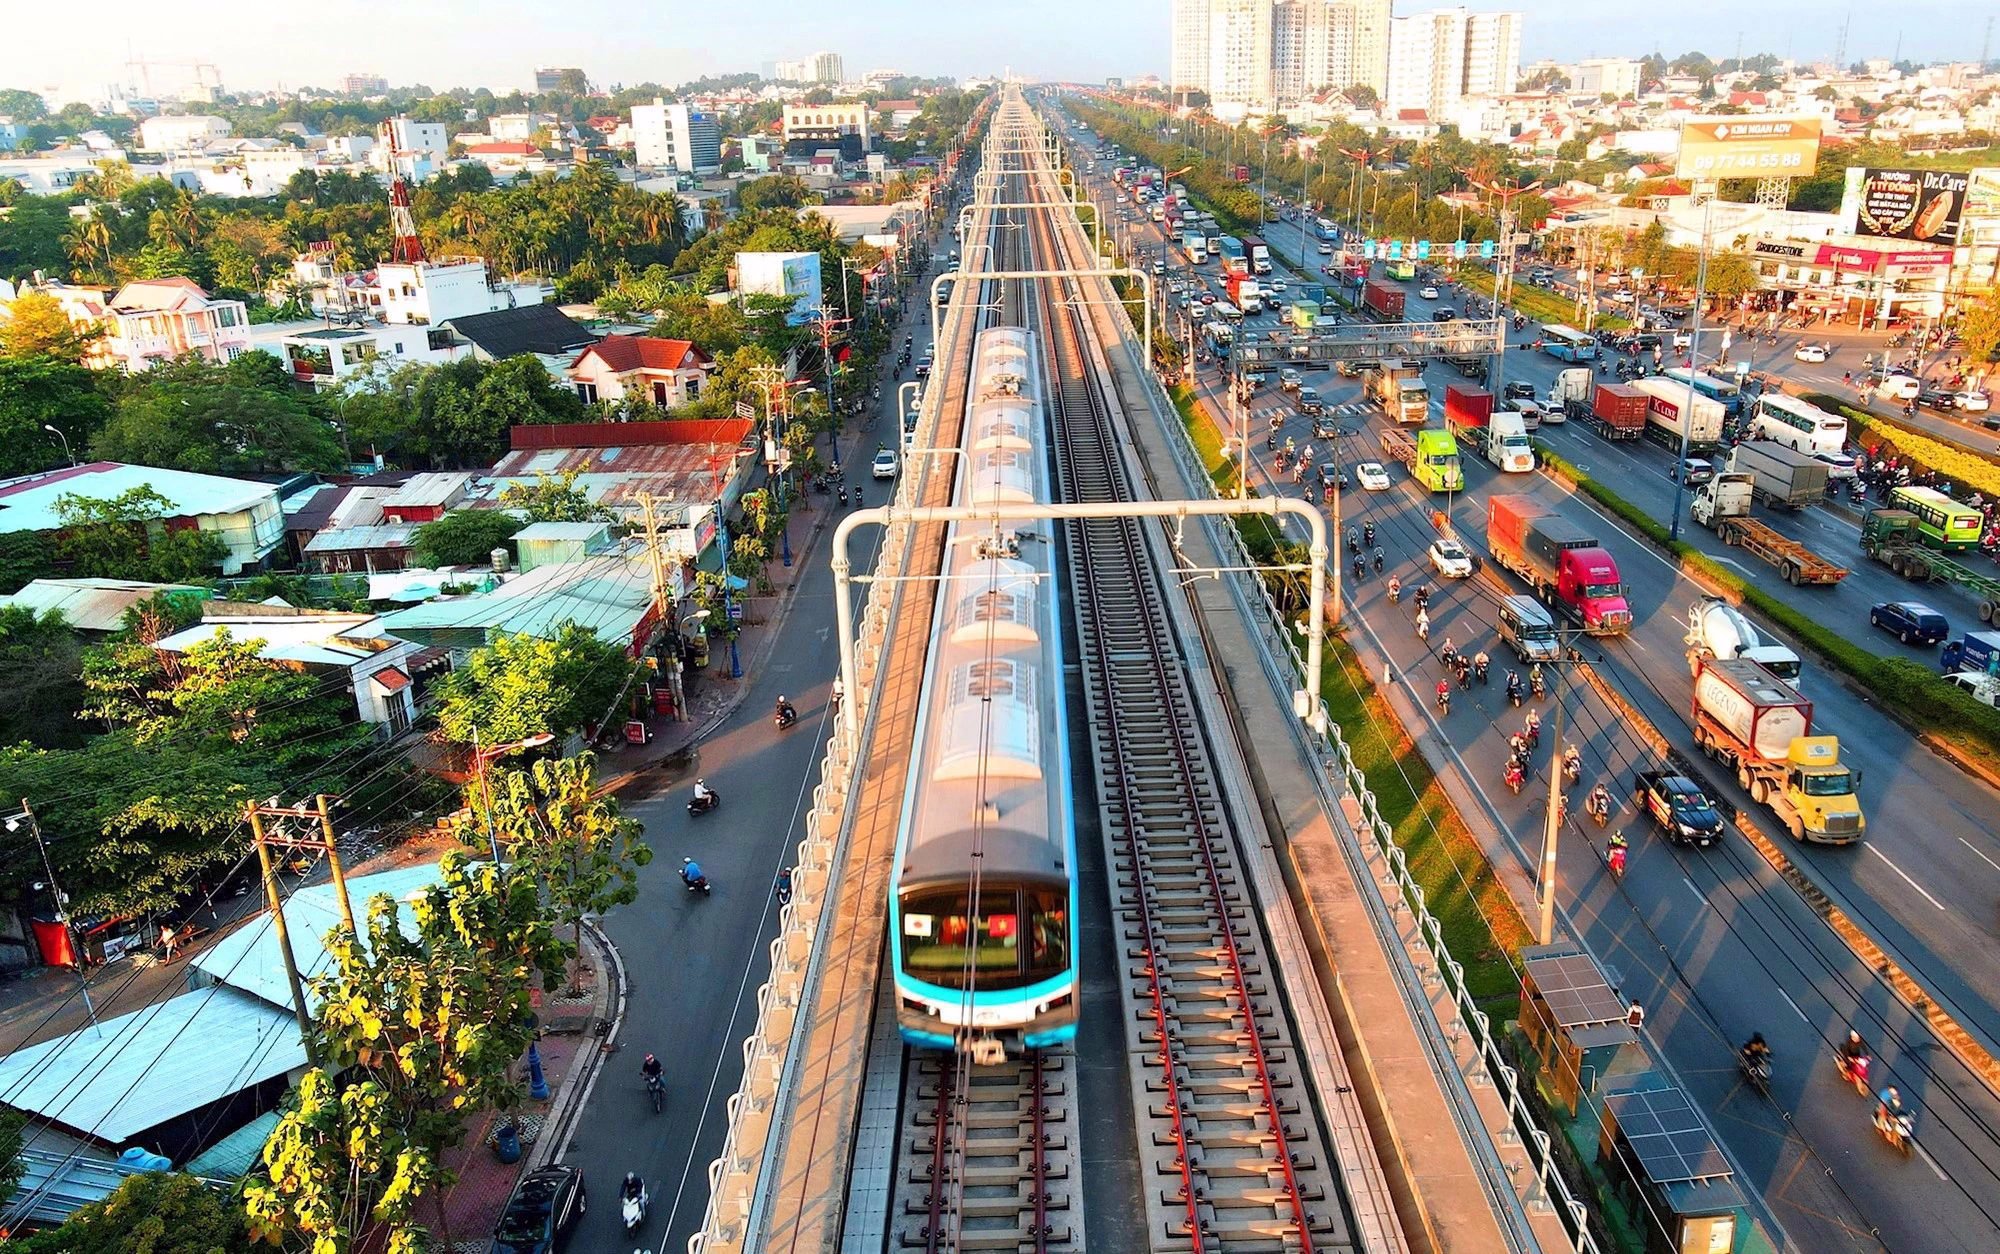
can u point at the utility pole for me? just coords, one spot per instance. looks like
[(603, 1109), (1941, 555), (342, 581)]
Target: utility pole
[(27, 816), (656, 554), (264, 840), (1693, 360), (1552, 821)]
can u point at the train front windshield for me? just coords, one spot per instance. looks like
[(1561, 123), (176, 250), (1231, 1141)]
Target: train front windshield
[(1019, 936)]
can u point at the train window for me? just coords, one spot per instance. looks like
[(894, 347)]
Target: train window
[(936, 930)]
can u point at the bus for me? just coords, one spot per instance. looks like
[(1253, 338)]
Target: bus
[(1323, 229), (1942, 523), (1402, 270), (1794, 423), (1436, 463), (1568, 344), (1713, 388)]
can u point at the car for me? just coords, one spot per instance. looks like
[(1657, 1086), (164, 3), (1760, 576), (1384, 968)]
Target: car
[(1809, 352), (542, 1211), (1974, 401), (1208, 298), (1349, 369), (1838, 465), (1449, 559), (1325, 250), (1325, 428), (1159, 267), (1328, 473), (1937, 398), (1371, 476), (1443, 315), (1912, 622), (1518, 390), (1291, 380), (1679, 808), (884, 465), (1277, 285), (1427, 292), (1695, 470), (1899, 387), (1621, 297), (1310, 402)]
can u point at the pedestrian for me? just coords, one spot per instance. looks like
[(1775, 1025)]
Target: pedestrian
[(1847, 378), (169, 940), (784, 888), (1635, 1016)]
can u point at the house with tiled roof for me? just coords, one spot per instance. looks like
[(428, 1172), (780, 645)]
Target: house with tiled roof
[(665, 372), (149, 321)]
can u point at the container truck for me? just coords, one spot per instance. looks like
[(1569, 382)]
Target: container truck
[(1431, 455), (1564, 563), (1723, 504), (1718, 630), (1616, 411), (1233, 260), (1466, 406), (1398, 387), (1383, 300), (1571, 391), (1669, 416), (1780, 476), (1259, 254), (1245, 294), (1195, 246), (1748, 718)]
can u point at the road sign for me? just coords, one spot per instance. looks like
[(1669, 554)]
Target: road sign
[(1486, 249), (1362, 341), (744, 409), (1423, 250)]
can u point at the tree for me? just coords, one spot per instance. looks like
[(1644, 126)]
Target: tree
[(11, 1123), (465, 537), (38, 326), (1730, 275), (552, 498), (554, 825), (123, 537), (521, 686), (155, 1213), (775, 191), (1979, 328), (241, 417), (35, 237), (42, 659), (425, 1023), (1362, 96), (37, 393)]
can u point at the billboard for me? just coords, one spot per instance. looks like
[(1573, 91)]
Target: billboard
[(1923, 206), (795, 275), (1748, 148)]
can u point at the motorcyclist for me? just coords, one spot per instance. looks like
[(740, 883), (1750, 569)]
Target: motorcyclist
[(1514, 687), (1480, 663), (1615, 852), (1515, 776), (1536, 684), (1572, 763), (1423, 624), (651, 1069), (1368, 534), (691, 873), (839, 691), (1444, 694), (1755, 1052), (1395, 589), (1889, 1109), (1532, 728), (1600, 804), (1853, 1057), (703, 794), (786, 711), (633, 1187)]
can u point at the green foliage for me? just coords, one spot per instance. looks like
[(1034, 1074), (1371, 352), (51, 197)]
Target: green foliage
[(24, 555), (121, 537), (37, 325), (1979, 327), (240, 417), (521, 686), (156, 1213), (35, 237), (42, 658), (774, 191), (455, 415), (37, 392), (552, 498), (465, 537), (11, 1123), (425, 1025)]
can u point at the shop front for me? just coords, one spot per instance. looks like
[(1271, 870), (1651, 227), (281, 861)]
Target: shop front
[(1859, 283)]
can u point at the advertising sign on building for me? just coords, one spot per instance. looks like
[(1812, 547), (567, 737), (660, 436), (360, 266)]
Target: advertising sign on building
[(1924, 206), (794, 275), (1748, 148)]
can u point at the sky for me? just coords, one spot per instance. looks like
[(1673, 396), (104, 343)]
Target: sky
[(497, 43)]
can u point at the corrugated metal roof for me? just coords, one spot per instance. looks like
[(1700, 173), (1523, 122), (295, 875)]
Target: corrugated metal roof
[(28, 503), (55, 1185), (235, 1155), (93, 604), (319, 639), (432, 487), (140, 1070), (249, 959), (609, 594), (351, 539)]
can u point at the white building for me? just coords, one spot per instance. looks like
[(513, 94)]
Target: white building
[(415, 150), (1492, 53), (1188, 58), (1240, 51), (520, 128), (180, 133), (1607, 76), (1438, 58), (1272, 51), (820, 67), (428, 293), (375, 666), (675, 137)]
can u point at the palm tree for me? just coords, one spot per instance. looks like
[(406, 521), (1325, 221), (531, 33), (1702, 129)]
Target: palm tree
[(91, 239)]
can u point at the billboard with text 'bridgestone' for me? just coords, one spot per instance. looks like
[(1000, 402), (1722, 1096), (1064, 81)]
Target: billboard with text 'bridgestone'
[(1748, 147)]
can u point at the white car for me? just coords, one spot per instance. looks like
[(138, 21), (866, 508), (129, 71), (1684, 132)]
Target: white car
[(1809, 352), (1450, 560), (884, 466), (1973, 401), (1899, 387), (1276, 285), (1372, 477), (1326, 250), (1428, 293)]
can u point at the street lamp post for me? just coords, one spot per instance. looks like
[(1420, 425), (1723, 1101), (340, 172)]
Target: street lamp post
[(57, 433), (480, 758), (1694, 363), (14, 824)]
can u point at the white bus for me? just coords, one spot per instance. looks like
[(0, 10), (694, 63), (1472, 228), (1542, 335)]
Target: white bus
[(1795, 424), (1568, 344)]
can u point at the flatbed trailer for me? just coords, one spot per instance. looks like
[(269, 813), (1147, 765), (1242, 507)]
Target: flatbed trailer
[(1797, 563), (1890, 537)]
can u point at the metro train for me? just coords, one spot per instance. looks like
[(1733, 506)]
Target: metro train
[(983, 899)]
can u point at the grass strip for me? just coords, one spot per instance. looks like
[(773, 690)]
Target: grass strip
[(1961, 465)]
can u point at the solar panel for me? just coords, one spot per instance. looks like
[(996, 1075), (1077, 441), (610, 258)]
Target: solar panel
[(1576, 993), (1667, 1135)]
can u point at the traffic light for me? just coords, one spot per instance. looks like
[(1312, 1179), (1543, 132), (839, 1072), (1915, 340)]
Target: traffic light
[(1423, 250), (1486, 249), (1458, 249)]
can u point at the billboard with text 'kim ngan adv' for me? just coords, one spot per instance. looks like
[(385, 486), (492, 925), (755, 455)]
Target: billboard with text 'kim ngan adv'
[(1748, 147)]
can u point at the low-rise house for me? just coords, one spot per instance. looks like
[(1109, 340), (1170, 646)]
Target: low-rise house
[(327, 359), (618, 464), (542, 330), (148, 321), (610, 593), (666, 372), (374, 665), (94, 607), (243, 514)]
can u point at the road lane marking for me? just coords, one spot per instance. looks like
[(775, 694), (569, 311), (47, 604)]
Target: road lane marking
[(1795, 1006), (1982, 857), (1696, 891), (1905, 874), (1929, 1162)]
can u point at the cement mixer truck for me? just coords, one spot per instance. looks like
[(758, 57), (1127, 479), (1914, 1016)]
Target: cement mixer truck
[(1749, 719), (1717, 629)]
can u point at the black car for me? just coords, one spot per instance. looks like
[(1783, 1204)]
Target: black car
[(1937, 398), (1679, 809), (1518, 390), (545, 1207), (1442, 315)]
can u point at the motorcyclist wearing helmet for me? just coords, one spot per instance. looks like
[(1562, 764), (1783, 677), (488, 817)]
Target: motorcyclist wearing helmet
[(703, 794), (1755, 1052), (691, 872), (651, 1069), (786, 710)]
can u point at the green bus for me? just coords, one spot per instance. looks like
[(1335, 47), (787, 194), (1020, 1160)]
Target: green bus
[(1942, 523), (1436, 464), (1402, 269)]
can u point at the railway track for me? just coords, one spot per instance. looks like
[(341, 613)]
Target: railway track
[(1236, 1160)]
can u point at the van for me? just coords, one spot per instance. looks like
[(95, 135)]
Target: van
[(1528, 629)]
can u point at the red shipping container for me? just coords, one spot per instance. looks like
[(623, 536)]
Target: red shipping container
[(1466, 405)]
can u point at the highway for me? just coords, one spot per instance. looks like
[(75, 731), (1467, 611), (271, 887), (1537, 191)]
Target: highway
[(1750, 955)]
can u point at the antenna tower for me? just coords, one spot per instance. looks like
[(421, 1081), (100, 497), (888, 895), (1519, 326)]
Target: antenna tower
[(407, 248)]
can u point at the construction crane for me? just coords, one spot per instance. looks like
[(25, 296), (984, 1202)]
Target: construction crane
[(206, 76)]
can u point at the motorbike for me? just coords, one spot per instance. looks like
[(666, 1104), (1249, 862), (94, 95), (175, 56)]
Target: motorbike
[(843, 494), (1855, 1073), (1479, 669), (656, 1091), (1600, 809), (1515, 777), (1572, 768), (634, 1199), (1615, 859), (1756, 1074), (1395, 591), (702, 805), (1444, 699), (784, 717), (1514, 692), (696, 884), (1897, 1128)]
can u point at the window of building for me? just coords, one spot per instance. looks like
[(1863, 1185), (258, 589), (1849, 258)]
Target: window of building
[(587, 392)]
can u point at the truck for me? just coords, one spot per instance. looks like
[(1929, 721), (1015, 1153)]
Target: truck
[(1195, 245), (1507, 445), (1431, 455), (1890, 536), (1305, 314), (1616, 411), (1233, 260), (1780, 476), (1398, 387), (1717, 629), (1571, 391), (1259, 253), (1383, 300), (1244, 293), (1669, 417), (1723, 505), (1564, 564), (1466, 406), (1727, 495), (1976, 651), (1748, 718)]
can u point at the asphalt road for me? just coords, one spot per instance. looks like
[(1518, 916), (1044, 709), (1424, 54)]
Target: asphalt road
[(694, 963), (1749, 955)]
